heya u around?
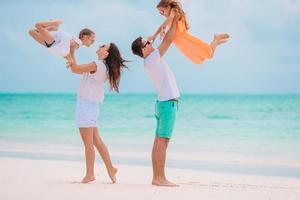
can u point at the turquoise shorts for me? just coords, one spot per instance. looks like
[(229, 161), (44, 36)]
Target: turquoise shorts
[(165, 114)]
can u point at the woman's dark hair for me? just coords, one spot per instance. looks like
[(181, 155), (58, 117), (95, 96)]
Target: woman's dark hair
[(84, 32), (136, 47), (174, 4), (114, 65)]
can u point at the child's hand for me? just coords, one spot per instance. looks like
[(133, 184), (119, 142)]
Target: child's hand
[(176, 16), (73, 45), (151, 38), (162, 32), (70, 61)]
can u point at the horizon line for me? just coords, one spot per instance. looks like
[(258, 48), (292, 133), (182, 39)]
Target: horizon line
[(150, 93)]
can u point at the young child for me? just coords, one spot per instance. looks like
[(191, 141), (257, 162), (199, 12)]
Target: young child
[(193, 48), (57, 41)]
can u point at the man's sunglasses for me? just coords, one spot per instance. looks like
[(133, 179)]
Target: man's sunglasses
[(146, 44)]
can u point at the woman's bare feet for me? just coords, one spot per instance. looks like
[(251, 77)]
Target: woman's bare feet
[(163, 183), (112, 174), (88, 179)]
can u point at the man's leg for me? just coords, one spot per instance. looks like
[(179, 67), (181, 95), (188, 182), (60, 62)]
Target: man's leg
[(154, 163), (162, 144), (159, 157), (165, 113)]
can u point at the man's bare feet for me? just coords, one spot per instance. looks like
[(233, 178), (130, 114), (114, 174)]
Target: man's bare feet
[(88, 179), (112, 174), (164, 183)]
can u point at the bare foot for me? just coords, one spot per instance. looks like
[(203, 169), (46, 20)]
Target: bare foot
[(52, 24), (164, 183), (88, 179), (112, 174), (222, 41), (56, 22), (219, 37), (52, 28)]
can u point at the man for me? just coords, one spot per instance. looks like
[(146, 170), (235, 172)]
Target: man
[(167, 103)]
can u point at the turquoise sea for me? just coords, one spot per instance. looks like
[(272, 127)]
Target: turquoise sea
[(222, 128)]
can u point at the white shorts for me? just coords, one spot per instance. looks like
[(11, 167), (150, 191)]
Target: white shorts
[(87, 114)]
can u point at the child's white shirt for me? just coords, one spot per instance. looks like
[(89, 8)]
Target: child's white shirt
[(61, 46)]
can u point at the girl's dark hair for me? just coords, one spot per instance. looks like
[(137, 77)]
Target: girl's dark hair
[(114, 65), (84, 32), (174, 4)]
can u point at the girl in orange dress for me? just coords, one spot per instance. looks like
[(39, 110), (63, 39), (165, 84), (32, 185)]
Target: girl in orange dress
[(193, 48)]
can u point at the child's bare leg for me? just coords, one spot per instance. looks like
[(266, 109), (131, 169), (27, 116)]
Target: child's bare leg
[(218, 39), (103, 151), (52, 28), (34, 33), (44, 29), (51, 23), (87, 138)]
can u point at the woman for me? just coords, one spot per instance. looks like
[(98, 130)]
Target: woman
[(90, 93)]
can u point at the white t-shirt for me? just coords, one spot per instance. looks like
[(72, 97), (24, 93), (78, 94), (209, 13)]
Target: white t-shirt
[(161, 76), (61, 46), (91, 86)]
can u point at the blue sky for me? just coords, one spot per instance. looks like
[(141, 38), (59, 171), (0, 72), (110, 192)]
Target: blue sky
[(263, 55)]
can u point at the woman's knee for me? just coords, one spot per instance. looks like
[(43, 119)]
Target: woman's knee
[(88, 145)]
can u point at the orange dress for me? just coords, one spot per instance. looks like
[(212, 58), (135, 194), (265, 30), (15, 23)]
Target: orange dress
[(190, 46)]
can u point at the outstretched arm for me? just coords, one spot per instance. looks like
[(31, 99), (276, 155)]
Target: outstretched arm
[(79, 69), (163, 26), (168, 39)]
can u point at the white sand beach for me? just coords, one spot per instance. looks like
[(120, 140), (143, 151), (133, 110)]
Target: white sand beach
[(23, 179)]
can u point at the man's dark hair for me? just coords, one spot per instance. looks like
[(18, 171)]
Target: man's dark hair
[(136, 47)]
